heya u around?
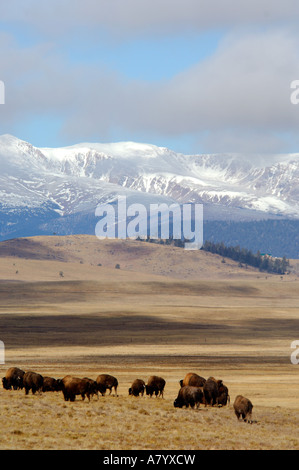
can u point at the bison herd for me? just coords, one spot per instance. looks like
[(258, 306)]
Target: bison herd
[(194, 389)]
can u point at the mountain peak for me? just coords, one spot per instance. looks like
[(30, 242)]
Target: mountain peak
[(77, 177), (8, 139)]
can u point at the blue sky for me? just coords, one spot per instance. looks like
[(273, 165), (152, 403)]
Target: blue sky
[(195, 76)]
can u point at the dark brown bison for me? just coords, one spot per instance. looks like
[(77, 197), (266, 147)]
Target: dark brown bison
[(51, 385), (72, 386), (93, 387), (243, 407), (106, 381), (13, 379), (189, 396), (155, 385), (33, 381), (137, 388), (211, 391), (192, 379), (223, 395)]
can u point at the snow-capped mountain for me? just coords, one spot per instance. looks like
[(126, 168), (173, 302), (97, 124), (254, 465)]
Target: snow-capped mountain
[(75, 179)]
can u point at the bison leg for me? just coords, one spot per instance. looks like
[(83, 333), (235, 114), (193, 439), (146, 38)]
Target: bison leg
[(192, 403), (248, 419)]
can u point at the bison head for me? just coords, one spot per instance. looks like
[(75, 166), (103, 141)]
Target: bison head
[(19, 382), (5, 384), (59, 385), (149, 389), (177, 403)]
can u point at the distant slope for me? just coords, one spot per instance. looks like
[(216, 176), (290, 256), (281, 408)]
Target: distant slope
[(85, 256), (276, 237)]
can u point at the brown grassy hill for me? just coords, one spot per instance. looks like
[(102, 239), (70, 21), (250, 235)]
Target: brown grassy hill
[(87, 257), (166, 311)]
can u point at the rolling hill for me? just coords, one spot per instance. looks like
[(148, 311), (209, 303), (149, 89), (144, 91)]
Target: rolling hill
[(87, 257)]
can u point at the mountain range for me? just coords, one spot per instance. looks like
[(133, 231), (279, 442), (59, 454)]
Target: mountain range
[(47, 190)]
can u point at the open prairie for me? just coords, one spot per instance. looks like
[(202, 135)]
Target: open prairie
[(66, 309)]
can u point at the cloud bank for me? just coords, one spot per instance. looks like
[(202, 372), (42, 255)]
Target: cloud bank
[(236, 99)]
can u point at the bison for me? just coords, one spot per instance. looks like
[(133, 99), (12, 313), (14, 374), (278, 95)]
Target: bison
[(51, 385), (93, 387), (211, 391), (155, 385), (223, 395), (137, 388), (33, 381), (243, 407), (13, 378), (192, 379), (189, 396), (72, 386), (106, 381)]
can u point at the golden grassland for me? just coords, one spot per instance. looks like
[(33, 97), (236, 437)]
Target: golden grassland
[(163, 312)]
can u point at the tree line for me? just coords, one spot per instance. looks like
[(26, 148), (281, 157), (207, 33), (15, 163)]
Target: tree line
[(245, 257), (263, 262)]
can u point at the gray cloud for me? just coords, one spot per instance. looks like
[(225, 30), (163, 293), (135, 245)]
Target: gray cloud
[(243, 86), (142, 17), (237, 99)]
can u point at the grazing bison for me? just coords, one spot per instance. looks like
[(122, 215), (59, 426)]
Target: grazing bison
[(243, 407), (155, 385), (51, 385), (192, 379), (211, 391), (223, 395), (93, 387), (106, 381), (13, 378), (33, 381), (72, 386), (137, 388), (189, 396)]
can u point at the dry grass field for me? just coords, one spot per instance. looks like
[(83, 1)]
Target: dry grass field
[(66, 309)]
